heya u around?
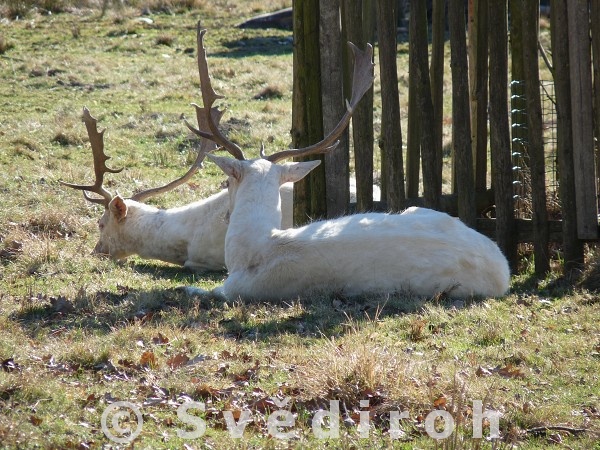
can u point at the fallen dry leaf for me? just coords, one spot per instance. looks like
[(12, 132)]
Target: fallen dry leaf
[(205, 391), (148, 358), (35, 420), (441, 401), (511, 371), (92, 398), (128, 364), (263, 405), (226, 354), (181, 359)]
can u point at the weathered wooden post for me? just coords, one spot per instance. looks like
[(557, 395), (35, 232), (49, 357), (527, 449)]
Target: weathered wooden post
[(478, 70), (572, 246), (307, 124), (583, 127), (500, 148), (436, 75), (358, 22), (535, 146), (461, 128), (337, 163), (392, 170)]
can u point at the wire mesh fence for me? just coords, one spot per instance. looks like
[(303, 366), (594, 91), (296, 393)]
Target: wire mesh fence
[(520, 154)]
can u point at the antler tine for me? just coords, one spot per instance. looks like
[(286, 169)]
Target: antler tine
[(209, 96), (100, 168), (362, 80), (206, 146)]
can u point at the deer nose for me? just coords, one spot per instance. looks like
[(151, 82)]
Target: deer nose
[(100, 250)]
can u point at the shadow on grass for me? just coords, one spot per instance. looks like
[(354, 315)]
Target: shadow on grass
[(558, 286), (260, 45), (175, 273), (102, 312)]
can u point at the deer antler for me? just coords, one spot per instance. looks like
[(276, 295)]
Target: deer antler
[(100, 158), (97, 143), (209, 96), (362, 80), (206, 146)]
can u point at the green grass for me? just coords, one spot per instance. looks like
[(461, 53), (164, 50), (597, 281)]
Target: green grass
[(78, 333)]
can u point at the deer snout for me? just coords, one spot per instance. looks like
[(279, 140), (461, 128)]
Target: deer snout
[(101, 250)]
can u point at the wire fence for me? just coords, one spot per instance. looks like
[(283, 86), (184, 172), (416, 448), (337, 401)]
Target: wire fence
[(520, 153)]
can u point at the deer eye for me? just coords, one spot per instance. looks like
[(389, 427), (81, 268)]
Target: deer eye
[(100, 225), (225, 184)]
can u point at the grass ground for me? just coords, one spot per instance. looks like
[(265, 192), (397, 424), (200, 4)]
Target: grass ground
[(79, 334)]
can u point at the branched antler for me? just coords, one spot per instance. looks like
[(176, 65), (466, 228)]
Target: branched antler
[(100, 158), (361, 82), (209, 96), (97, 143)]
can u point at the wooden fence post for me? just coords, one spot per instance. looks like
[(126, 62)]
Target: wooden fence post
[(337, 163), (413, 139), (307, 124), (582, 123), (392, 170), (502, 174), (357, 25), (461, 128), (478, 70), (572, 246), (432, 184), (531, 10), (436, 76)]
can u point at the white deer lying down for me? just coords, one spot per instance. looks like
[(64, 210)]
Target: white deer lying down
[(192, 235), (422, 251)]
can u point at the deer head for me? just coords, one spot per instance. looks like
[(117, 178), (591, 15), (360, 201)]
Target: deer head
[(361, 82), (116, 208)]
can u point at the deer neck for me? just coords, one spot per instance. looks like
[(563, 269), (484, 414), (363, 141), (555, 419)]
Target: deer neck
[(256, 213)]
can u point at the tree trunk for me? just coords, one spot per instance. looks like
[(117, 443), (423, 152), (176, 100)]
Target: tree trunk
[(337, 162), (392, 170), (502, 175), (461, 129), (530, 17), (357, 23), (572, 246), (307, 124)]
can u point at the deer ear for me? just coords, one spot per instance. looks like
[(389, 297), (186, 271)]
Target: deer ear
[(118, 208), (231, 167), (296, 171)]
